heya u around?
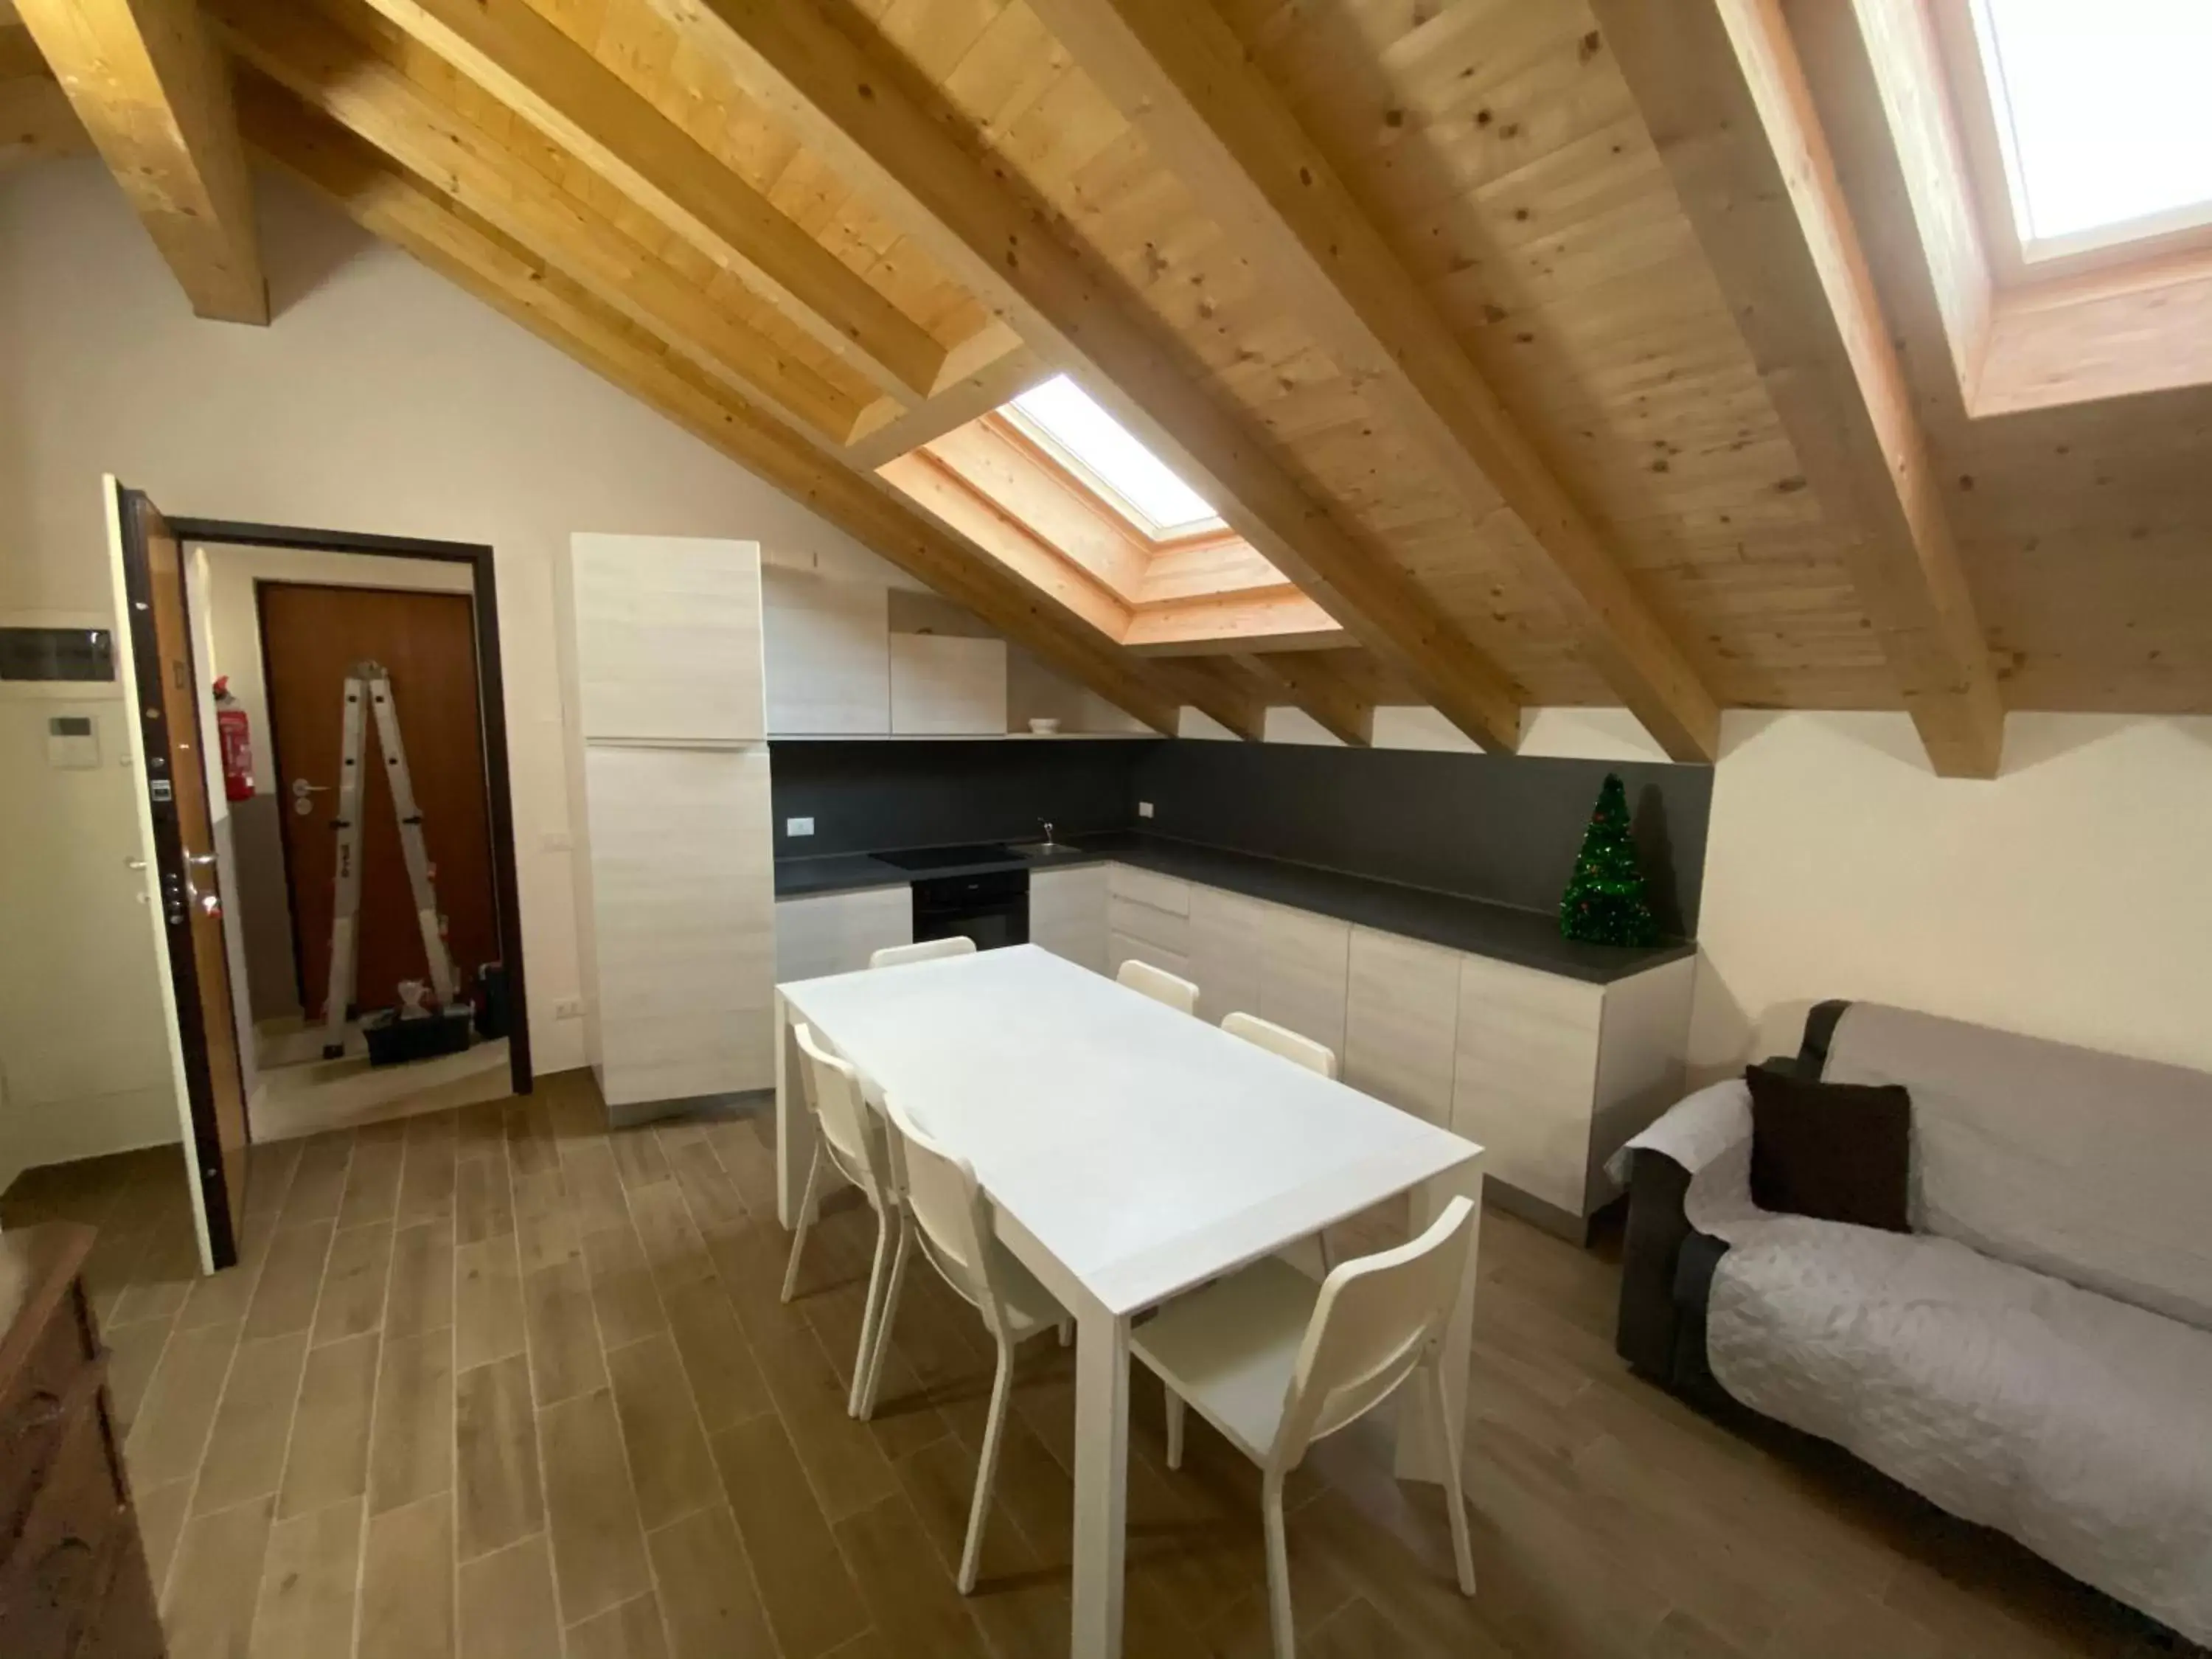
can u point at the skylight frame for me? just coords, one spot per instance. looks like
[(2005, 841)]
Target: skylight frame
[(1088, 478), (1971, 45)]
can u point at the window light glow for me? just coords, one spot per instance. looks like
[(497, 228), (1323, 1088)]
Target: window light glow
[(2102, 109), (1133, 479)]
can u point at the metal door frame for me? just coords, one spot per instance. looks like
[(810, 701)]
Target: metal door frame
[(491, 705)]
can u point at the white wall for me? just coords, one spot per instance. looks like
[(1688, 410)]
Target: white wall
[(2071, 898), (382, 399)]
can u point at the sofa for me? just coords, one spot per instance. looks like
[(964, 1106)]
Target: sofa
[(2034, 1356)]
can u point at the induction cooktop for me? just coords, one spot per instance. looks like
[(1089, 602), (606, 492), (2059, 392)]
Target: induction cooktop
[(944, 858)]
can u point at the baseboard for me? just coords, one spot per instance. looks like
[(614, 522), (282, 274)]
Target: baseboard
[(93, 1126), (738, 1104)]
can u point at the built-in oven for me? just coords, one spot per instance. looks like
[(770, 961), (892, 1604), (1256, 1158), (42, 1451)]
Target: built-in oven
[(992, 908)]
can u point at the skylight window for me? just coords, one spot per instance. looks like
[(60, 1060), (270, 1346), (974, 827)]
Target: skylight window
[(2103, 115), (1107, 455)]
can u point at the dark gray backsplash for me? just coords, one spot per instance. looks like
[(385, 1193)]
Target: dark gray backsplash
[(1497, 827), (1500, 827), (872, 797)]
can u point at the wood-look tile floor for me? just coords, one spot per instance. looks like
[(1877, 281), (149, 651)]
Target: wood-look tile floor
[(498, 1383)]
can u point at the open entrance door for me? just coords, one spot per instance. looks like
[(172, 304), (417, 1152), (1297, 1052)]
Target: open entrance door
[(177, 828)]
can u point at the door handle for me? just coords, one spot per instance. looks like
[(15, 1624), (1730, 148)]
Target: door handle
[(134, 864), (202, 859), (301, 786)]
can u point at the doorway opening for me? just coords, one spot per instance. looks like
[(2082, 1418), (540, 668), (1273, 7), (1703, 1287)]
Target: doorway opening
[(290, 621)]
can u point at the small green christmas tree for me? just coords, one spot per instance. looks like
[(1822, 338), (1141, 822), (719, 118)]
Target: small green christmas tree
[(1604, 902)]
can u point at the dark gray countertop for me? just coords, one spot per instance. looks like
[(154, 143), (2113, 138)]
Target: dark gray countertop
[(1528, 938)]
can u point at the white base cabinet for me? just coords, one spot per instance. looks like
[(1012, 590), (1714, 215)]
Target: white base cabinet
[(1551, 1074), (1067, 915), (824, 934)]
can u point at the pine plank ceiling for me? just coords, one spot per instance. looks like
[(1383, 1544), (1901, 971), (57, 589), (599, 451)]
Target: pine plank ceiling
[(1562, 352)]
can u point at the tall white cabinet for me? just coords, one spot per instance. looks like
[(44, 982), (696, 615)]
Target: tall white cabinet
[(661, 661)]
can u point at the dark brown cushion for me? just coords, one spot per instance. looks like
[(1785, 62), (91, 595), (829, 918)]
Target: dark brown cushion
[(1836, 1151)]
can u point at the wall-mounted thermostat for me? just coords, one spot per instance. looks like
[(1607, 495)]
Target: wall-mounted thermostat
[(72, 742)]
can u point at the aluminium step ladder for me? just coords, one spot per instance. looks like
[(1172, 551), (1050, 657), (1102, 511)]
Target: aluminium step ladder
[(370, 683)]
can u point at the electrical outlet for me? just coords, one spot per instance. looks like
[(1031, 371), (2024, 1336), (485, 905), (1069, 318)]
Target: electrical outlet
[(568, 1008), (1144, 809), (798, 826)]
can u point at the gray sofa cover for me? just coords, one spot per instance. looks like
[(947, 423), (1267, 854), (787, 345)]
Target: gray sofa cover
[(2037, 1356)]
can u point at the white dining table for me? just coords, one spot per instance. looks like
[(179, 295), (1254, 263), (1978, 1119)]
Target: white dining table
[(1131, 1153)]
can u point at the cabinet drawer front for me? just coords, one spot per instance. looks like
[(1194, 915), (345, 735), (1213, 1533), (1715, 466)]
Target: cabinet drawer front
[(1160, 892), (1526, 1076), (1121, 948), (1161, 928)]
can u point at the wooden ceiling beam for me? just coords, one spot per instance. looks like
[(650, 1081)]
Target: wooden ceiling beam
[(1231, 624), (998, 382), (1724, 93), (1307, 679), (1183, 77), (342, 77), (477, 256), (935, 488), (37, 122), (858, 109), (526, 62), (154, 93)]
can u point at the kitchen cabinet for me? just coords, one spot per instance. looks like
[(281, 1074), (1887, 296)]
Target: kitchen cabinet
[(1304, 960), (1147, 918), (1551, 1074), (947, 685), (836, 933), (1067, 914), (828, 648), (1225, 946), (663, 640), (1401, 1021), (659, 642), (682, 883)]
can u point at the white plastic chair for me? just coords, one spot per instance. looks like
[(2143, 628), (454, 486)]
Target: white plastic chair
[(850, 1139), (946, 1208), (1159, 985), (959, 945), (1276, 1362), (1299, 1051), (1281, 1040)]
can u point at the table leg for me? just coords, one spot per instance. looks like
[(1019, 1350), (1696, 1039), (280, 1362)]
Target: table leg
[(794, 1124), (1102, 1480), (1419, 1457)]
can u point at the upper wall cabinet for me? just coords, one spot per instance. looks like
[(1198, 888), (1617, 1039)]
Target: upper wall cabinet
[(659, 622), (829, 655), (946, 684)]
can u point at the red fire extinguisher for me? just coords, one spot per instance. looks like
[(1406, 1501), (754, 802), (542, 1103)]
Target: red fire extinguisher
[(237, 735)]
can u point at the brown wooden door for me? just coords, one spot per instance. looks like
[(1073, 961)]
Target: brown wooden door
[(179, 828), (311, 637)]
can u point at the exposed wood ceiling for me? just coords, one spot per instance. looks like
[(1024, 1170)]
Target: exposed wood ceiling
[(1560, 353)]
